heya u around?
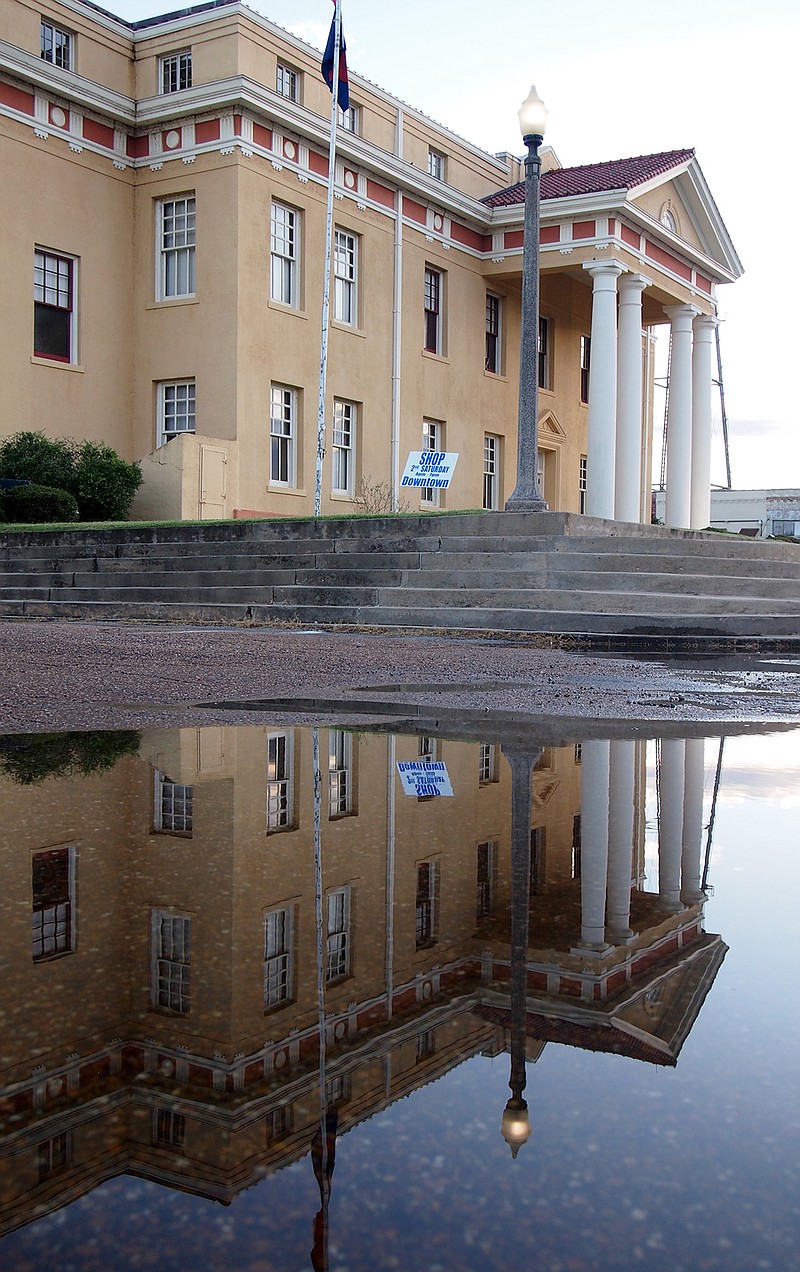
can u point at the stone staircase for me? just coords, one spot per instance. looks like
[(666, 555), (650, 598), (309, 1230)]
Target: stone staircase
[(567, 579)]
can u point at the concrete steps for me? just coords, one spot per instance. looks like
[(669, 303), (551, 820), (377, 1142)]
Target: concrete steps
[(545, 573)]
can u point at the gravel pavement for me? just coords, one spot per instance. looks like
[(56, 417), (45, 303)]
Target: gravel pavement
[(60, 675)]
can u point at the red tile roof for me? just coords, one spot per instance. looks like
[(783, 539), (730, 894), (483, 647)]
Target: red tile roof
[(595, 178)]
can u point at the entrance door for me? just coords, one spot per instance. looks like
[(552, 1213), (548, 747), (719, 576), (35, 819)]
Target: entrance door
[(213, 464)]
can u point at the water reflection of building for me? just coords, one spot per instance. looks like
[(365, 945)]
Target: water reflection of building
[(160, 1013)]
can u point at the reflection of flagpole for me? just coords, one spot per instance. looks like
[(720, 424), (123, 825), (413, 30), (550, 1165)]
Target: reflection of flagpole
[(713, 815), (326, 291), (321, 1156)]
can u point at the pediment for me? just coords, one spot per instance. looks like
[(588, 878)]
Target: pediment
[(683, 200), (550, 425)]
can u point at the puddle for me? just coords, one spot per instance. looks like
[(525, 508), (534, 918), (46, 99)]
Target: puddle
[(456, 1004)]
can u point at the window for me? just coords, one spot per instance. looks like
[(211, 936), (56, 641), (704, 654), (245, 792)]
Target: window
[(169, 1128), (176, 410), (436, 165), (56, 46), (487, 763), (434, 286), (578, 752), (586, 355), (426, 747), (493, 309), (172, 806), (278, 957), (426, 1045), (583, 469), (538, 844), (668, 220), (279, 1123), (426, 905), (176, 231), (53, 306), (52, 921), (486, 863), (283, 436), (576, 846), (491, 471), (350, 119), (280, 782), (284, 254), (54, 1155), (338, 1090), (344, 441), (790, 528), (345, 280), (338, 945), (171, 956), (432, 440), (544, 353), (176, 71), (287, 82), (541, 468), (340, 773)]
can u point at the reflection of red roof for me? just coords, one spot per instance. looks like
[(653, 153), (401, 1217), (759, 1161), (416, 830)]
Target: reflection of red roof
[(591, 1037), (595, 178)]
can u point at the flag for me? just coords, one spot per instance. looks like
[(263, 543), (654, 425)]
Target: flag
[(343, 90)]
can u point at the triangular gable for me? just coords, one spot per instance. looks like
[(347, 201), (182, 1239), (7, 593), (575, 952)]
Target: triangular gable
[(686, 195)]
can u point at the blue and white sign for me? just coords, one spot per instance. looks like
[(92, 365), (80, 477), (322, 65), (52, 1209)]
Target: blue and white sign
[(429, 470), (424, 777)]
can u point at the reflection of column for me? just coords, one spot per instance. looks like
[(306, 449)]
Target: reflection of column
[(620, 840), (691, 850), (703, 328), (627, 489), (679, 418), (670, 824), (516, 1124), (594, 843), (602, 424), (391, 779)]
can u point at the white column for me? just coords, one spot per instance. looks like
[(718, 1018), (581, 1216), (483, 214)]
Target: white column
[(594, 843), (620, 840), (627, 490), (601, 445), (670, 824), (692, 842), (703, 328), (679, 418)]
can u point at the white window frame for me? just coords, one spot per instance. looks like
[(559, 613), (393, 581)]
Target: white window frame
[(426, 905), (433, 304), (170, 965), (544, 353), (55, 287), (284, 266), (343, 457), (345, 277), (491, 472), (432, 440), (169, 1128), (338, 908), (176, 409), (583, 483), (176, 246), (280, 782), (53, 925), (484, 901), (175, 71), (56, 45), (287, 82), (494, 334), (340, 773), (436, 164), (278, 957), (283, 417), (585, 362), (173, 806), (487, 764), (350, 119)]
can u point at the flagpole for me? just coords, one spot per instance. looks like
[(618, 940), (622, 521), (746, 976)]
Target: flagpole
[(326, 292)]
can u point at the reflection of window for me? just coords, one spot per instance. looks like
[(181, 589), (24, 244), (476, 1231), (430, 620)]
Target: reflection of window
[(279, 1123), (486, 860), (176, 71), (338, 1089), (538, 838), (426, 747), (53, 306), (426, 1045), (280, 781), (340, 773), (173, 806), (169, 1128), (53, 894), (278, 957), (426, 905), (338, 947), (578, 752), (576, 846), (56, 46), (171, 962), (487, 763), (54, 1155)]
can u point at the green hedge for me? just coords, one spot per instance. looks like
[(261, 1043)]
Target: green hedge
[(100, 482), (38, 505)]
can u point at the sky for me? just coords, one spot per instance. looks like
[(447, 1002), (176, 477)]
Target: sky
[(622, 78)]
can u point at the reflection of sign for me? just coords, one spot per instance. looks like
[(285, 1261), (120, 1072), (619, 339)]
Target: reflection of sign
[(424, 777), (429, 470)]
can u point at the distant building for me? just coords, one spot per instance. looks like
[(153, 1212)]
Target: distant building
[(163, 209), (760, 513)]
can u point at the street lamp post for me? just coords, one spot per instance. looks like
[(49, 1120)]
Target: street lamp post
[(526, 497)]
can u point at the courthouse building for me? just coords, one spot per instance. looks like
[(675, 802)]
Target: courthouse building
[(164, 211)]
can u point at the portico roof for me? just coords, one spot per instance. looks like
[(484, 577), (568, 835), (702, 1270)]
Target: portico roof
[(596, 178)]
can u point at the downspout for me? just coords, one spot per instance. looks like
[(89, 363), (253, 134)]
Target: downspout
[(397, 323)]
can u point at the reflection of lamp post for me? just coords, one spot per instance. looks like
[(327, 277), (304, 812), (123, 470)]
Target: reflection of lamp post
[(526, 497), (516, 1126)]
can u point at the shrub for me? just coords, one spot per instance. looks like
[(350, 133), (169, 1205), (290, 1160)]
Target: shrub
[(37, 505), (104, 483), (30, 759), (44, 460)]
